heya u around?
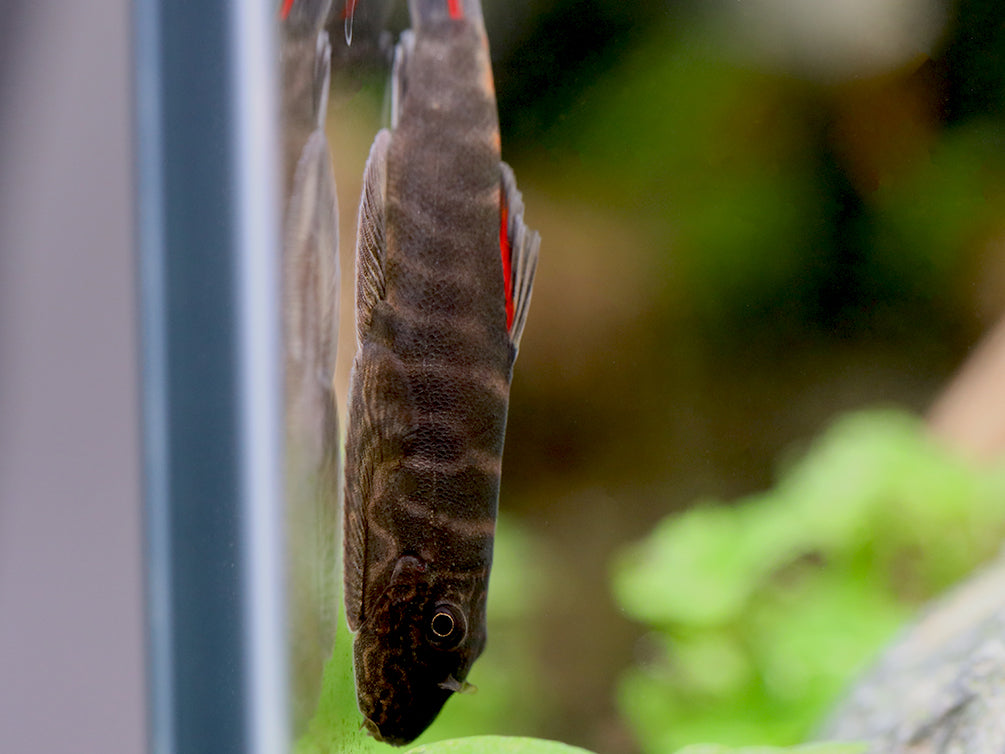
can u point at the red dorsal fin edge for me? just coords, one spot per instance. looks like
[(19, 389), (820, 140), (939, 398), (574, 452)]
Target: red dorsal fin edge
[(504, 249)]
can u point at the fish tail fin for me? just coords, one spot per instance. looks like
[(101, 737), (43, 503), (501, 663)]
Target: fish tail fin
[(424, 12)]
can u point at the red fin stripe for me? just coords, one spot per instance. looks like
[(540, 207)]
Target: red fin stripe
[(506, 262), (285, 10), (349, 9), (456, 9)]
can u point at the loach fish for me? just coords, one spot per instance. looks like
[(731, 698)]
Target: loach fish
[(444, 268)]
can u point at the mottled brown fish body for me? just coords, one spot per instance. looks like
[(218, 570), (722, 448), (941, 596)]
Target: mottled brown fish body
[(445, 317), (430, 386)]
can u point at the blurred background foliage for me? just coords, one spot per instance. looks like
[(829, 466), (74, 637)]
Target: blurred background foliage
[(755, 217), (762, 612)]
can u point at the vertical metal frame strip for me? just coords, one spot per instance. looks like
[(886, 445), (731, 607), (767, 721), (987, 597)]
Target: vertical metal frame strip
[(208, 227)]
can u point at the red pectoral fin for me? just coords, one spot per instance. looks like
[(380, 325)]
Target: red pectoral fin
[(518, 246), (284, 12), (504, 249), (455, 9)]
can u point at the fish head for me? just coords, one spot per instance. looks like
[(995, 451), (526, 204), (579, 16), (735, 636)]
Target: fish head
[(415, 649)]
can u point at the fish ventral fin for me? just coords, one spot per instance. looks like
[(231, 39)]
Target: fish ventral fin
[(347, 15), (518, 246), (459, 687), (399, 74), (322, 76), (370, 235)]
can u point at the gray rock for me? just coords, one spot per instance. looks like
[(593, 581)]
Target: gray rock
[(940, 688)]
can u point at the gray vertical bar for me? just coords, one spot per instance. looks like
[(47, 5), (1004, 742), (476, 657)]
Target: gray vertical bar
[(207, 140)]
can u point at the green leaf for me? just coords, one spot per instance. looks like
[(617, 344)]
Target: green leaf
[(830, 747), (496, 745), (719, 556)]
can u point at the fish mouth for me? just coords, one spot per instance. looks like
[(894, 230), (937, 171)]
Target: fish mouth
[(374, 730)]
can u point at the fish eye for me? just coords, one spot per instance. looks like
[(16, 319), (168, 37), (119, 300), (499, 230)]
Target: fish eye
[(443, 624), (446, 627)]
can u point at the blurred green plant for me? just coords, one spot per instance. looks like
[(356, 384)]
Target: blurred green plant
[(818, 748), (761, 612), (514, 745), (934, 220), (497, 745)]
